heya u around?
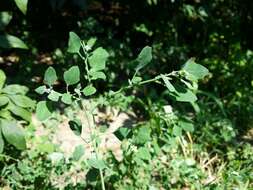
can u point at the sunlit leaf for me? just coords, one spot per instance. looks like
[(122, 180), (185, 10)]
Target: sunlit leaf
[(72, 76), (22, 5), (43, 110), (98, 59), (89, 90), (144, 58), (50, 76), (8, 41), (74, 43)]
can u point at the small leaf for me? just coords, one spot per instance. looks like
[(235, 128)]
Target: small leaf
[(66, 98), (5, 18), (1, 142), (3, 100), (89, 90), (50, 76), (97, 75), (78, 152), (76, 126), (22, 5), (8, 41), (144, 58), (41, 89), (22, 101), (43, 110), (72, 76), (143, 135), (195, 71), (91, 42), (97, 163), (177, 131), (15, 89), (74, 43), (2, 78), (13, 134), (98, 58), (54, 96), (168, 84)]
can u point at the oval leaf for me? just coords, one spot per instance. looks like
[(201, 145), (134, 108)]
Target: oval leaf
[(22, 5), (66, 98), (98, 58), (74, 43), (72, 76), (13, 134), (2, 78), (43, 110), (89, 90), (50, 76), (8, 41), (144, 58)]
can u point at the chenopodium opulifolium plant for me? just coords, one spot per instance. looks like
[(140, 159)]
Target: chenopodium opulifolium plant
[(183, 88), (14, 106)]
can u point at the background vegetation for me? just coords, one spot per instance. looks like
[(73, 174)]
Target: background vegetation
[(204, 144)]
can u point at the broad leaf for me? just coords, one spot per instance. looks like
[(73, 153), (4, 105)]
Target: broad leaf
[(143, 154), (144, 58), (2, 78), (20, 112), (43, 110), (5, 18), (97, 75), (143, 135), (78, 153), (183, 95), (50, 76), (98, 58), (66, 98), (22, 5), (91, 42), (8, 41), (74, 43), (97, 163), (22, 101), (3, 100), (15, 89), (195, 71), (72, 76), (186, 125), (89, 90), (13, 134)]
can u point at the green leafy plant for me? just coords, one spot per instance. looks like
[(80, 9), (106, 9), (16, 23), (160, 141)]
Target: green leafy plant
[(83, 85), (15, 110)]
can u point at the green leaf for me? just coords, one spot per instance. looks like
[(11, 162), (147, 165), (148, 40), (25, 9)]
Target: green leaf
[(91, 42), (97, 75), (1, 141), (22, 101), (76, 126), (41, 89), (3, 100), (177, 131), (74, 43), (194, 70), (22, 5), (50, 76), (89, 90), (15, 89), (5, 18), (43, 110), (183, 94), (78, 152), (54, 96), (20, 112), (66, 98), (72, 76), (143, 135), (98, 58), (97, 163), (186, 125), (4, 113), (144, 58), (143, 154), (168, 84), (8, 41), (2, 78), (13, 134)]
